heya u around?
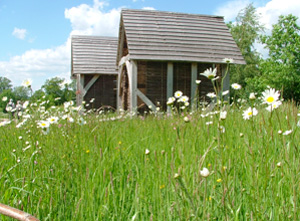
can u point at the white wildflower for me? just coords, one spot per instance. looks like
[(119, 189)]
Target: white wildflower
[(287, 132), (204, 172), (250, 112), (147, 151), (210, 73), (228, 60), (236, 86), (270, 96), (27, 83), (178, 94)]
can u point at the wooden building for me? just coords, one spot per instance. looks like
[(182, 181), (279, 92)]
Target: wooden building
[(93, 64), (161, 52)]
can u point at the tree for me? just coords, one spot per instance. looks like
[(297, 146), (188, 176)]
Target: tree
[(21, 93), (5, 84), (282, 69), (37, 95), (7, 94), (57, 88), (246, 32)]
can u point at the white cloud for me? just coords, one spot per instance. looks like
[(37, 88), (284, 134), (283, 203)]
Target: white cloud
[(37, 65), (269, 13), (274, 8), (40, 65), (87, 20), (19, 33), (148, 8), (229, 7)]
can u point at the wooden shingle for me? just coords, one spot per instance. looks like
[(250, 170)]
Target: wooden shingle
[(93, 55), (168, 36)]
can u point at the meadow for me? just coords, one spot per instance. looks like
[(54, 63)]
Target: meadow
[(130, 167), (237, 161)]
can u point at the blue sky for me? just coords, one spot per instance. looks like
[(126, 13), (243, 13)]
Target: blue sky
[(35, 34)]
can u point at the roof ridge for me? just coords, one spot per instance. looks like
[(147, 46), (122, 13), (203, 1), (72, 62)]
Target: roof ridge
[(94, 36), (168, 12)]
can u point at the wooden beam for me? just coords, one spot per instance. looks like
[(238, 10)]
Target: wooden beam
[(193, 84), (170, 73), (123, 60), (80, 89), (132, 75), (90, 84), (119, 98), (145, 99), (121, 40), (226, 82)]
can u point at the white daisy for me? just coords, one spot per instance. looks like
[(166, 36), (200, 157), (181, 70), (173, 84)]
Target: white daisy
[(183, 99), (52, 120), (43, 124), (27, 83), (228, 60), (171, 100), (250, 112), (178, 94), (270, 96), (236, 86), (209, 73), (211, 95), (273, 106)]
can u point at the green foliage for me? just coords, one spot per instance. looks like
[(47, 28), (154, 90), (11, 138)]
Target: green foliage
[(8, 93), (245, 33), (21, 93), (282, 69), (17, 93), (57, 91), (5, 84), (37, 95)]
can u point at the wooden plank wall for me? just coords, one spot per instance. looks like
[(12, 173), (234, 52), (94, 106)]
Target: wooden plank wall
[(152, 81), (206, 86), (103, 90), (182, 78)]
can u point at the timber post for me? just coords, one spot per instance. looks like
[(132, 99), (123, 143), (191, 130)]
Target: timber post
[(193, 85), (170, 74)]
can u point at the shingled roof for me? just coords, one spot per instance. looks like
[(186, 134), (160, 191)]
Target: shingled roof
[(168, 36), (93, 55)]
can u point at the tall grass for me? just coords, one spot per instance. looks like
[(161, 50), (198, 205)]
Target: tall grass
[(101, 171)]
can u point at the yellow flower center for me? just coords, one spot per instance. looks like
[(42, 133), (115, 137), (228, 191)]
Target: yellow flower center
[(250, 113), (270, 99), (210, 76)]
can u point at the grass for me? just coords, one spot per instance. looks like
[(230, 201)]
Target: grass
[(100, 170)]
